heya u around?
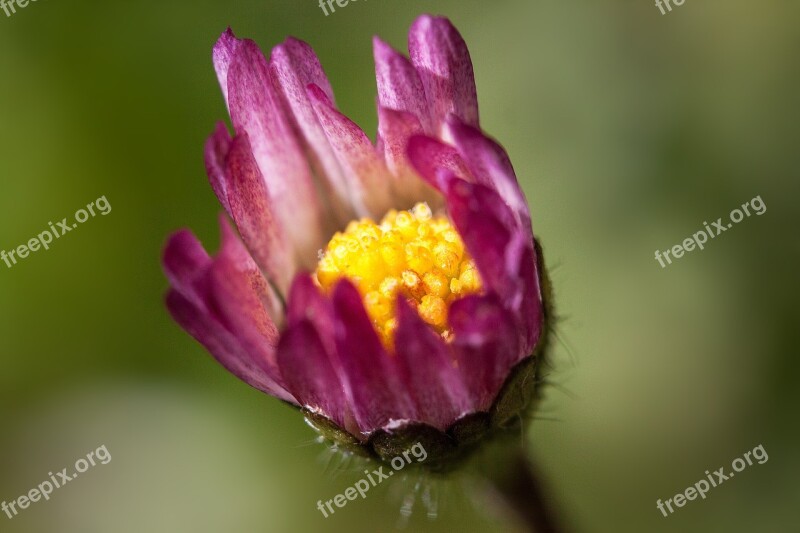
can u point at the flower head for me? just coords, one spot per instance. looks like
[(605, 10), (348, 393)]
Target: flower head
[(392, 291)]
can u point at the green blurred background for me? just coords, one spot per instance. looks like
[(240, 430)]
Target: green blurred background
[(627, 128)]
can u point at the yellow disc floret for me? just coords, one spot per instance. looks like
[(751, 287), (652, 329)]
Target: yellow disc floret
[(410, 254)]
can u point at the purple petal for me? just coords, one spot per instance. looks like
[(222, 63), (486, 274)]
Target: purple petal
[(377, 395), (257, 110), (306, 366), (216, 154), (252, 210), (486, 344), (441, 58), (368, 176), (399, 84), (222, 55), (294, 66), (429, 368)]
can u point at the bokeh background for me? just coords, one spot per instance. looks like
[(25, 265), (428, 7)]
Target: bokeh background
[(627, 128)]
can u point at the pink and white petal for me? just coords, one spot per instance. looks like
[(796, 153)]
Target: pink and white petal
[(441, 58), (368, 177), (253, 213), (305, 364), (294, 66), (216, 154), (377, 395), (257, 110), (399, 85), (223, 346), (491, 166), (222, 55), (486, 345), (429, 370)]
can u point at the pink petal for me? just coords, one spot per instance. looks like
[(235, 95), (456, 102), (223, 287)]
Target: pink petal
[(395, 128), (486, 344), (257, 110), (185, 260), (222, 55), (222, 345), (399, 85), (244, 300), (253, 212), (367, 175), (485, 224), (491, 166), (216, 154), (441, 58), (429, 156), (294, 66), (429, 369), (309, 374), (377, 394)]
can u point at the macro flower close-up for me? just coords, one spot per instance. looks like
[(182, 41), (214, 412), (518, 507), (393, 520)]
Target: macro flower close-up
[(347, 266), (387, 288)]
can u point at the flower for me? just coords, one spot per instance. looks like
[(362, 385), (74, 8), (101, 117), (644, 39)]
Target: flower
[(422, 318)]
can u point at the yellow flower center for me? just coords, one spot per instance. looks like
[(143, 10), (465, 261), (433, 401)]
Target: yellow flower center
[(410, 254)]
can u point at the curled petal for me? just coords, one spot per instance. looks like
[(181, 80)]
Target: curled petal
[(441, 58)]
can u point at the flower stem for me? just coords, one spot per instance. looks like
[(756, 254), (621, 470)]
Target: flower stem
[(522, 492)]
